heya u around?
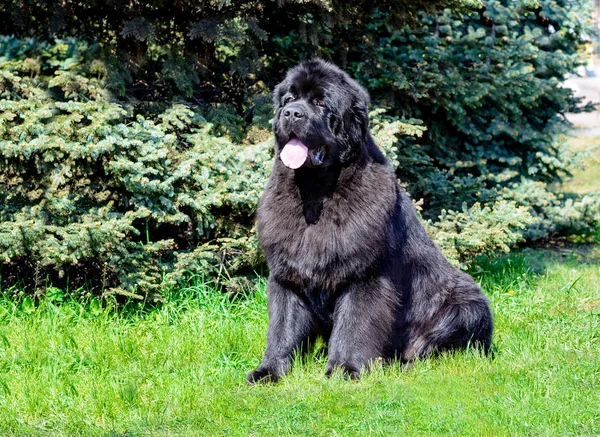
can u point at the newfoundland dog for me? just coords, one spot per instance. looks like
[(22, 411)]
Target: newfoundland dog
[(349, 260)]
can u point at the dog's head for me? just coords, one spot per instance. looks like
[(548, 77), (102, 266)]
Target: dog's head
[(321, 116)]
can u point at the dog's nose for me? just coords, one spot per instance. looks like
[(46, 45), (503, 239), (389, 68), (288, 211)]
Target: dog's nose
[(293, 111)]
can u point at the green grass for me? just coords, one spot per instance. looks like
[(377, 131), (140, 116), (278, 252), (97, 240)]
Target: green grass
[(179, 370), (588, 179)]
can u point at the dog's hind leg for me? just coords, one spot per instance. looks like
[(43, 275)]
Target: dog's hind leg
[(455, 326)]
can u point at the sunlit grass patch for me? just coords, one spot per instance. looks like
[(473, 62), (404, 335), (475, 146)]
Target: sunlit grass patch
[(178, 368)]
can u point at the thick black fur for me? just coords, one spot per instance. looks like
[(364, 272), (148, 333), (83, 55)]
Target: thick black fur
[(348, 257)]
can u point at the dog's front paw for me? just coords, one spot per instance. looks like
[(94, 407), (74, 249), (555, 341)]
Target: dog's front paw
[(350, 371), (263, 376)]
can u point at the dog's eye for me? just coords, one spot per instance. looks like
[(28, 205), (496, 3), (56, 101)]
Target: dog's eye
[(319, 103), (289, 99)]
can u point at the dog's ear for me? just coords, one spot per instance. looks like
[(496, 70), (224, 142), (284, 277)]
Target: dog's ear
[(278, 93), (356, 129), (360, 109), (356, 121)]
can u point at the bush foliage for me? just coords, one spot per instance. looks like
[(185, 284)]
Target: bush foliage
[(126, 163)]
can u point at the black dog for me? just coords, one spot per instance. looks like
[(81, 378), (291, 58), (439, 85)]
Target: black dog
[(349, 259)]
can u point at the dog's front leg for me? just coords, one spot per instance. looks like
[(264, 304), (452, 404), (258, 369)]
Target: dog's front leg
[(362, 329), (290, 324)]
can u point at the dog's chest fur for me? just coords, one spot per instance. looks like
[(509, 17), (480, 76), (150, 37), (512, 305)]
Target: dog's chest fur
[(322, 228)]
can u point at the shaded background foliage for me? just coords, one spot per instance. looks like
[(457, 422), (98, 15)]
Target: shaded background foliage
[(209, 49), (135, 141)]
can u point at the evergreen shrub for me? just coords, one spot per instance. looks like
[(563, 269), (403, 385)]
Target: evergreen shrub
[(125, 163)]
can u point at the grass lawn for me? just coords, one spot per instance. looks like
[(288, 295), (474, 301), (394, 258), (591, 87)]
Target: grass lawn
[(179, 370)]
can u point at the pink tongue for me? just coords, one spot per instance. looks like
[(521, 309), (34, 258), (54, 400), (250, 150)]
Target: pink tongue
[(294, 154)]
